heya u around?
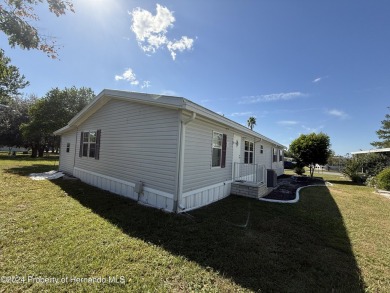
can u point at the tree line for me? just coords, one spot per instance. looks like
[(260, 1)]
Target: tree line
[(30, 121)]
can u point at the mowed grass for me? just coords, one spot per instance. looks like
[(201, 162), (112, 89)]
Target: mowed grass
[(335, 239)]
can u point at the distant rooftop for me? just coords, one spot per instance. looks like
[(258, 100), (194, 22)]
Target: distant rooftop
[(385, 150)]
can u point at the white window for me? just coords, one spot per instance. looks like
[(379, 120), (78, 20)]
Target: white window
[(216, 149), (248, 152), (274, 155), (280, 155), (261, 149), (68, 147), (89, 144)]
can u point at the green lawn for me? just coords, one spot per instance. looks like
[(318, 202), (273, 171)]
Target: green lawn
[(336, 239)]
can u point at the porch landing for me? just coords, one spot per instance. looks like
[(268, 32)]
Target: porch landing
[(250, 189)]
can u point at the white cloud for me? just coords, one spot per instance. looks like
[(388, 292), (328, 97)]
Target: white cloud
[(169, 93), (128, 75), (150, 31), (184, 43), (310, 129), (271, 97), (145, 84), (338, 113), (287, 122), (239, 114), (318, 79)]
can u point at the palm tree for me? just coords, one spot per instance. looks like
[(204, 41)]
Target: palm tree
[(251, 122)]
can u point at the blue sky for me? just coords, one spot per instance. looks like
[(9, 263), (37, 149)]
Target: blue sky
[(297, 66)]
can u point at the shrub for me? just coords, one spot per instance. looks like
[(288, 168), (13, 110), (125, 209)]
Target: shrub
[(370, 181), (299, 170), (351, 170), (373, 163), (383, 179)]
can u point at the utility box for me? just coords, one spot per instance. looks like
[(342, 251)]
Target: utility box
[(272, 178), (139, 187)]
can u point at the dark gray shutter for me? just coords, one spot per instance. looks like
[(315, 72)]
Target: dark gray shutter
[(97, 150), (81, 144), (223, 155)]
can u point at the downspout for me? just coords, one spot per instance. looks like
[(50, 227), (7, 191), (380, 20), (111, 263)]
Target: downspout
[(75, 151), (256, 164), (179, 193)]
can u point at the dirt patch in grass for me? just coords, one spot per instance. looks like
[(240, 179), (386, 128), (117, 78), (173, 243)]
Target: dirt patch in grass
[(287, 186)]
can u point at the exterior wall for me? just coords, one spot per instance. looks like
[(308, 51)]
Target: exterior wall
[(67, 158), (266, 158), (278, 167), (203, 184), (141, 143), (138, 143)]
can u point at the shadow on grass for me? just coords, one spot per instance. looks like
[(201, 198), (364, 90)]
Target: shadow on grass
[(34, 168), (345, 182), (27, 157), (283, 248)]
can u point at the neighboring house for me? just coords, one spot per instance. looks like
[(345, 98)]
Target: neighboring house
[(163, 151), (377, 151)]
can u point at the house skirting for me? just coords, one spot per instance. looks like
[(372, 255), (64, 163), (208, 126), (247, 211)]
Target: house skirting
[(149, 196), (158, 199), (203, 196)]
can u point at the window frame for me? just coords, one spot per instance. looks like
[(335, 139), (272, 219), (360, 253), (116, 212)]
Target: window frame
[(249, 156), (261, 149), (218, 148), (68, 147), (274, 155), (280, 155), (89, 144)]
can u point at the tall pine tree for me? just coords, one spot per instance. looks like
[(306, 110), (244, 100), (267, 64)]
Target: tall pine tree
[(383, 134)]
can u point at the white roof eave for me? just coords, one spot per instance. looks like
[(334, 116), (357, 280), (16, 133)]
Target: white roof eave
[(158, 100), (192, 107)]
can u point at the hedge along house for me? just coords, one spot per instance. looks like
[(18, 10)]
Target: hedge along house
[(163, 151)]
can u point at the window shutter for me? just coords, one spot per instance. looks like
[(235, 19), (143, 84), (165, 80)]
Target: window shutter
[(97, 150), (81, 144), (223, 157)]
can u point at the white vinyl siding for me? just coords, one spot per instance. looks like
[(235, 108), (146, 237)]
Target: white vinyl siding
[(67, 158), (198, 170), (138, 143), (264, 158)]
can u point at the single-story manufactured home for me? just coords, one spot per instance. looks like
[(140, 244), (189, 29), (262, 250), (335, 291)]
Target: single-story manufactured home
[(164, 151)]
